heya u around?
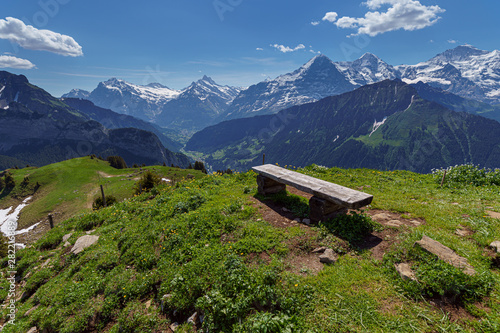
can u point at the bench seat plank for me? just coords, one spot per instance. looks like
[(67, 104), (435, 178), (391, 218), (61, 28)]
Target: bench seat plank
[(340, 195)]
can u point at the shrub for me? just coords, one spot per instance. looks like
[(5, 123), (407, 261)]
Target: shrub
[(352, 227), (9, 181), (468, 174), (198, 165), (2, 184), (26, 181), (117, 162), (98, 204), (147, 181)]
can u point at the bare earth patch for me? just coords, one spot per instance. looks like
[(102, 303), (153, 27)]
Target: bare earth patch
[(302, 261)]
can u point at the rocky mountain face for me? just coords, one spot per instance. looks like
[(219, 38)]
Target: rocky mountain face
[(385, 125), (318, 78), (197, 106), (192, 108), (465, 71), (77, 93), (143, 102), (38, 129)]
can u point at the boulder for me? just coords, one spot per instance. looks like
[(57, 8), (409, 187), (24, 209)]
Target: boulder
[(319, 249), (328, 257), (405, 271), (84, 242), (446, 254)]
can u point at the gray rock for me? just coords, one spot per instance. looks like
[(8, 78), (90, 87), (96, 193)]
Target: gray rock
[(415, 223), (495, 246), (33, 330), (66, 237), (461, 232), (84, 242), (193, 319), (405, 272), (174, 327), (306, 221), (90, 231), (446, 254), (393, 223), (328, 257), (319, 249), (67, 244), (381, 216), (297, 220)]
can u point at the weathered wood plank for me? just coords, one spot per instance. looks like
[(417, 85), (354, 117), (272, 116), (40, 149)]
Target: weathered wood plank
[(340, 195)]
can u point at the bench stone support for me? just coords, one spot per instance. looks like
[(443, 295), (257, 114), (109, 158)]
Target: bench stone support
[(269, 186), (322, 210)]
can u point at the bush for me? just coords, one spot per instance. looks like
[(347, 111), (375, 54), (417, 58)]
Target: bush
[(2, 184), (98, 204), (198, 165), (352, 227), (9, 181), (3, 245), (26, 181), (148, 180), (117, 162), (468, 174)]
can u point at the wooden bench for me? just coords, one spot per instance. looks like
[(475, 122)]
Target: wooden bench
[(329, 200)]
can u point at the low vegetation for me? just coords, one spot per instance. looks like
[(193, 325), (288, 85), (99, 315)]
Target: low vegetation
[(204, 245)]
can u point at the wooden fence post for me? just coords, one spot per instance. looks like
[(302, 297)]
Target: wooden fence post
[(51, 221), (444, 176), (103, 197)]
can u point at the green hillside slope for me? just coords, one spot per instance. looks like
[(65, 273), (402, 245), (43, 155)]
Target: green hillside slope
[(69, 187), (241, 262)]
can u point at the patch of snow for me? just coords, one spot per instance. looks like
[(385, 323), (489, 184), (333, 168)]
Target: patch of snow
[(166, 180), (23, 231), (8, 222), (376, 125), (17, 97), (337, 138)]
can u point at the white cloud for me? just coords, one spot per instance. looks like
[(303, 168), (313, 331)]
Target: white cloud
[(452, 41), (330, 17), (32, 38), (401, 14), (14, 62), (286, 49), (259, 49), (315, 23)]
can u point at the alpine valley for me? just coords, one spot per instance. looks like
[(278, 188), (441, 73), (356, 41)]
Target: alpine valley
[(364, 113)]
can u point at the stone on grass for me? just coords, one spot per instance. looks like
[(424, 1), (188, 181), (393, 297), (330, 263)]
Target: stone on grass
[(446, 254), (328, 257), (461, 232), (174, 327), (319, 249), (405, 272), (30, 311), (393, 223), (306, 221), (415, 223), (33, 330), (381, 216), (495, 246), (84, 242), (494, 215), (66, 237)]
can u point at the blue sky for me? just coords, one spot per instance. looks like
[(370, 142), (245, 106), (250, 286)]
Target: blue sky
[(76, 44)]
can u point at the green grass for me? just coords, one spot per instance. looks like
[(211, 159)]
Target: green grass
[(70, 187), (197, 243)]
